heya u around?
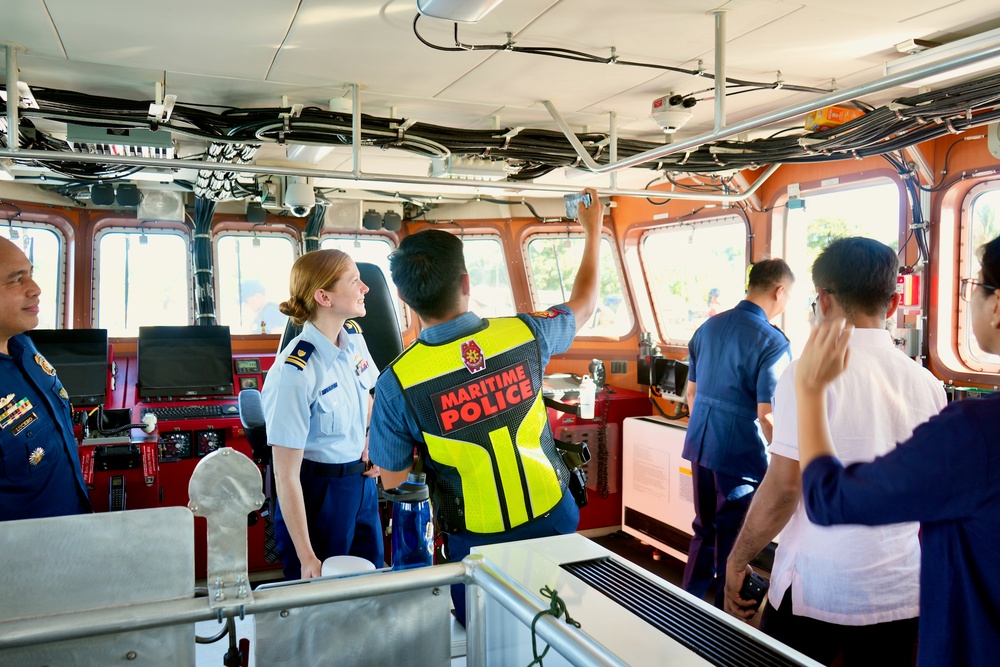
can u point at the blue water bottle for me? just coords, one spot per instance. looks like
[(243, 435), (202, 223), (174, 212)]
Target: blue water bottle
[(412, 526)]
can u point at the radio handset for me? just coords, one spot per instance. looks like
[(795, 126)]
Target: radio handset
[(116, 499)]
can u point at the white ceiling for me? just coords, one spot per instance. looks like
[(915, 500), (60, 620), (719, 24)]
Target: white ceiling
[(253, 53)]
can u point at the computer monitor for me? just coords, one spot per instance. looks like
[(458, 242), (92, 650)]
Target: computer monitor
[(183, 362), (80, 357), (673, 375)]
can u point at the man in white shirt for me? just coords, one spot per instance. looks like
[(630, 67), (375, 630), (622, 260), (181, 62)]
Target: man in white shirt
[(843, 590)]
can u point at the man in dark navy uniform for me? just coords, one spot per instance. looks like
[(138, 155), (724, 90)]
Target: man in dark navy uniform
[(736, 358), (39, 467)]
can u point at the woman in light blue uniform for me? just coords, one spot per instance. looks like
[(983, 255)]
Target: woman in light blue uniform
[(316, 405)]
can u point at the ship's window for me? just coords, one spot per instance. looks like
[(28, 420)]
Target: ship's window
[(694, 270), (980, 226), (553, 260), (373, 250), (45, 249), (871, 210), (143, 279), (488, 277), (251, 272)]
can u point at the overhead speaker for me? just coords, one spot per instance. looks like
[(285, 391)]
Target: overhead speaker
[(127, 194), (372, 220), (102, 194), (256, 213), (393, 221), (161, 205)]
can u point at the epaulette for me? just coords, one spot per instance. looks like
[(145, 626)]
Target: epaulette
[(780, 331), (300, 355), (350, 326)]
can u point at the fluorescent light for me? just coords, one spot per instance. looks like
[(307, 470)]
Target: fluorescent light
[(310, 154), (939, 54), (474, 168), (463, 11)]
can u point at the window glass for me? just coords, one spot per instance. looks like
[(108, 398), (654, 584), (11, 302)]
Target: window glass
[(488, 277), (44, 249), (983, 227), (372, 250), (694, 271), (553, 260), (142, 280), (252, 277), (870, 210)]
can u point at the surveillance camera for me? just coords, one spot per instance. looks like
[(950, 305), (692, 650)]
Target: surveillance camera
[(299, 196)]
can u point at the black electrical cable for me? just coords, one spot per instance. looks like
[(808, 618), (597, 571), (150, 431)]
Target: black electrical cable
[(580, 56)]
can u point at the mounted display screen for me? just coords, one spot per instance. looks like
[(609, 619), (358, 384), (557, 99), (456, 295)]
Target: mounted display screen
[(180, 362), (80, 357)]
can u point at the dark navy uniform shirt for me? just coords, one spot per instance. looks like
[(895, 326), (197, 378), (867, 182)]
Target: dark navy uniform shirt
[(736, 359), (947, 477), (394, 429), (39, 466)]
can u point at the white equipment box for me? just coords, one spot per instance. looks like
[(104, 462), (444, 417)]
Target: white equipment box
[(657, 489)]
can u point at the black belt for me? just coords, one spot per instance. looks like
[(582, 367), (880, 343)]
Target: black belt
[(317, 469)]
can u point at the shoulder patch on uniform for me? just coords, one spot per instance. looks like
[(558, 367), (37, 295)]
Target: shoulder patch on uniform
[(554, 311), (300, 355), (781, 332), (350, 326)]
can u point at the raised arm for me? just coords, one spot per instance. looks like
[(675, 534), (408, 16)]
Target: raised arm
[(583, 299)]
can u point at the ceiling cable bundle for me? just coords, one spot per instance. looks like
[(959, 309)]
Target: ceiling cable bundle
[(235, 134)]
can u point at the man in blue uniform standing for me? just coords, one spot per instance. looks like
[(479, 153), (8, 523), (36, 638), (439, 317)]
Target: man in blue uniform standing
[(467, 396), (39, 467), (736, 359)]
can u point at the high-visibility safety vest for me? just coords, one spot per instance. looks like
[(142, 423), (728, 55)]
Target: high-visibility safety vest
[(478, 402)]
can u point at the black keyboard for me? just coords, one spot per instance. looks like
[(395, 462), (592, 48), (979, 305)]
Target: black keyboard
[(192, 412)]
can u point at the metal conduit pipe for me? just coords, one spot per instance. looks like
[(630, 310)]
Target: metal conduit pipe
[(794, 111), (720, 70), (13, 99), (379, 179)]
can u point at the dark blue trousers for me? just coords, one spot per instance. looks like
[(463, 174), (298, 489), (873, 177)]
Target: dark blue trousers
[(343, 519), (720, 504), (561, 520)]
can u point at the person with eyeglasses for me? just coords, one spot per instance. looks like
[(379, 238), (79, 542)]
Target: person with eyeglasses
[(820, 600), (946, 476)]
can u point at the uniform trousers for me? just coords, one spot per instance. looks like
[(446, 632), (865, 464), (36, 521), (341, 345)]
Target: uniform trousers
[(721, 502), (560, 520), (343, 519), (890, 644)]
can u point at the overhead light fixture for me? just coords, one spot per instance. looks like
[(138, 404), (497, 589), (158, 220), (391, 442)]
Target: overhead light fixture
[(961, 47), (473, 168), (463, 11), (308, 154)]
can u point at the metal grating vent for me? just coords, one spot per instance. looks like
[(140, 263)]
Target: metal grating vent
[(680, 619)]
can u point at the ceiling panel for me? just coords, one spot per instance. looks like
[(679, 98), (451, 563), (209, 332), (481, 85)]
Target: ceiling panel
[(180, 36)]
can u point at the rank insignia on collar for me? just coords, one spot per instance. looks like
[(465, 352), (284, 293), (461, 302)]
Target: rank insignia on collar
[(46, 366), (472, 356), (6, 399), (36, 456)]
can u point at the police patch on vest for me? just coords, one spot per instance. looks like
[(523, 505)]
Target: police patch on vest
[(473, 357), (482, 399)]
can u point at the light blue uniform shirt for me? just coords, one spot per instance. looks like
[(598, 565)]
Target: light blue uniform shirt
[(321, 405)]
